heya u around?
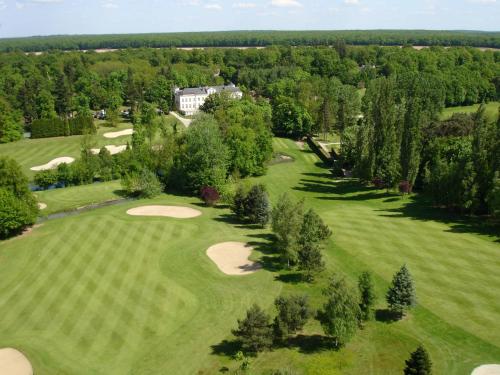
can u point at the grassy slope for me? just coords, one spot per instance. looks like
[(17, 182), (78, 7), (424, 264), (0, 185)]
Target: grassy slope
[(491, 110), (32, 152), (103, 292)]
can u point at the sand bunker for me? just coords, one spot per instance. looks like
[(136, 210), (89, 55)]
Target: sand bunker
[(118, 134), (42, 206), (13, 362), (111, 148), (178, 212), (487, 370), (53, 163), (232, 258)]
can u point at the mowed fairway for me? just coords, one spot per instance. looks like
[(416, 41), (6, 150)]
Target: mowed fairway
[(103, 292)]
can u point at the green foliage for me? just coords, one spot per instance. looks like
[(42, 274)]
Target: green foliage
[(290, 119), (144, 184), (340, 314), (18, 208), (10, 123), (254, 331), (367, 294), (286, 222), (401, 294), (257, 207), (205, 158), (45, 179), (55, 127), (293, 313), (419, 363)]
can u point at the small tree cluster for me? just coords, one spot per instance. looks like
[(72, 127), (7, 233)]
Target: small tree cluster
[(252, 205), (299, 235), (367, 295), (256, 332), (144, 184)]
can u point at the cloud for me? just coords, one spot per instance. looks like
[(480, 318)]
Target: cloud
[(46, 1), (109, 5), (213, 7), (351, 2), (286, 3), (2, 5), (244, 5), (482, 1), (19, 5)]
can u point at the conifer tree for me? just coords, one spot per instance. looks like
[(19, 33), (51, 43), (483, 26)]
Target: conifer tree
[(367, 294), (419, 363), (401, 293)]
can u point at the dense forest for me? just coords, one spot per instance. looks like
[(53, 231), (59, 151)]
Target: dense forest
[(254, 39), (391, 137)]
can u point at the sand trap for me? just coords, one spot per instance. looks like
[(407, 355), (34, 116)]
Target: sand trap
[(111, 148), (13, 362), (53, 163), (178, 212), (42, 206), (118, 134), (487, 370), (232, 258)]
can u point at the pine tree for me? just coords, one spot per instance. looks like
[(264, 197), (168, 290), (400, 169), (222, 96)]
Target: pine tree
[(401, 293), (255, 331), (367, 293), (419, 363), (257, 207), (310, 260)]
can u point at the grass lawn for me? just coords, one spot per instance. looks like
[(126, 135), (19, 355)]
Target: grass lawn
[(58, 200), (491, 110), (32, 152), (106, 293)]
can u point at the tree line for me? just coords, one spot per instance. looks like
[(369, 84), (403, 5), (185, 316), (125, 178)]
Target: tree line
[(253, 39), (310, 88)]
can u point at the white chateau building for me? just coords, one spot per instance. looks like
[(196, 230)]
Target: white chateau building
[(189, 100)]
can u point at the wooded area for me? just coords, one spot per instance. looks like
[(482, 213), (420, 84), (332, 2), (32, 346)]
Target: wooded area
[(254, 39)]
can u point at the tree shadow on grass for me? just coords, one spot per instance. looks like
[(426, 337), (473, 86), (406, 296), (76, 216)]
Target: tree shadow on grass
[(121, 193), (348, 190), (419, 207), (233, 220), (269, 260), (227, 348), (290, 277), (387, 316), (309, 344)]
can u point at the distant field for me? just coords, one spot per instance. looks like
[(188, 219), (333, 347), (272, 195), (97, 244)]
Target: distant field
[(107, 293), (491, 110)]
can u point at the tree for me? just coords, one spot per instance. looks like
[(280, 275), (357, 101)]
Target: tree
[(45, 179), (367, 294), (419, 363), (255, 331), (10, 123), (238, 204), (18, 208), (287, 220), (310, 260), (293, 313), (256, 205), (401, 294), (340, 314), (144, 184), (210, 195), (291, 119), (205, 158)]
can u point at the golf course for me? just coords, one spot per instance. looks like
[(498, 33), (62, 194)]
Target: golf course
[(103, 291)]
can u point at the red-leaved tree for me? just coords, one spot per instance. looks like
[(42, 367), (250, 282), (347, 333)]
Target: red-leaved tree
[(210, 195)]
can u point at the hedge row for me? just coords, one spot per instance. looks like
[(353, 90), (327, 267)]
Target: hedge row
[(56, 127)]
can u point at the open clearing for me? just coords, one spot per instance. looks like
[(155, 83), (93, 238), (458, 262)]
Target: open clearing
[(108, 293), (13, 362), (166, 211), (487, 370), (111, 148), (491, 110), (232, 258), (53, 163), (117, 134)]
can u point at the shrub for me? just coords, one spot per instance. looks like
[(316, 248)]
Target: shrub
[(405, 187), (419, 363), (46, 179), (144, 184), (210, 195), (378, 183), (255, 331)]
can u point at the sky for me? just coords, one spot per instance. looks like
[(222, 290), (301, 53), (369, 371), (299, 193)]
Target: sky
[(48, 17)]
